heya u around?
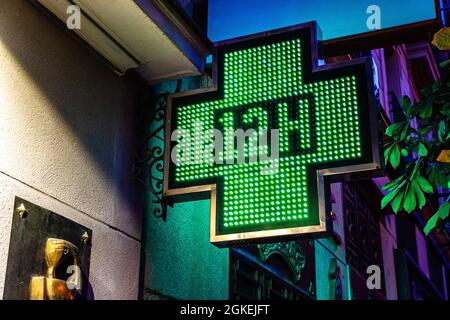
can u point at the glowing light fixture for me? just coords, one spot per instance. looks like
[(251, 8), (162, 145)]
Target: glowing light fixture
[(325, 117)]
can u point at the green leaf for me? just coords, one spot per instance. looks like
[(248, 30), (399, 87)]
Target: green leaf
[(437, 176), (446, 109), (387, 153), (441, 130), (442, 213), (443, 179), (394, 158), (426, 111), (410, 199), (423, 151), (436, 86), (444, 210), (445, 64), (431, 223), (397, 203), (413, 175), (393, 184), (424, 184), (394, 129), (389, 197), (405, 153), (419, 195), (404, 132), (426, 91), (425, 130), (406, 104)]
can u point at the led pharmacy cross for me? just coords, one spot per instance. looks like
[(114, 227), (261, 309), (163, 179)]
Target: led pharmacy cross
[(325, 129)]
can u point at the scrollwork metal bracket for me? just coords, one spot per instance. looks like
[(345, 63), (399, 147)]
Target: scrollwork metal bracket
[(148, 167)]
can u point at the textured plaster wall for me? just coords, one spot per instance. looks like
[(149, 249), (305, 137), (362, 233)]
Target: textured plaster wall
[(182, 263), (324, 258), (389, 244), (66, 143), (327, 249), (422, 253)]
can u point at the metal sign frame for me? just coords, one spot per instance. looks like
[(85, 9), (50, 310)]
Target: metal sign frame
[(324, 174)]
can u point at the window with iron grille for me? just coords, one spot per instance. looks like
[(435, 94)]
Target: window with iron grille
[(277, 271), (249, 281), (362, 232)]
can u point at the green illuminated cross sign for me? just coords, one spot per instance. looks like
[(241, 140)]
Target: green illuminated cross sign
[(324, 118)]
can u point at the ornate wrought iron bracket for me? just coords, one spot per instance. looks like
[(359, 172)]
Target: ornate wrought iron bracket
[(148, 167)]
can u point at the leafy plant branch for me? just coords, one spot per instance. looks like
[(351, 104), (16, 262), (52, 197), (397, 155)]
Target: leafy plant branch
[(420, 154)]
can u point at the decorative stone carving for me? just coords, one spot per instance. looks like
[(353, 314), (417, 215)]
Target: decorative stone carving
[(292, 252)]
